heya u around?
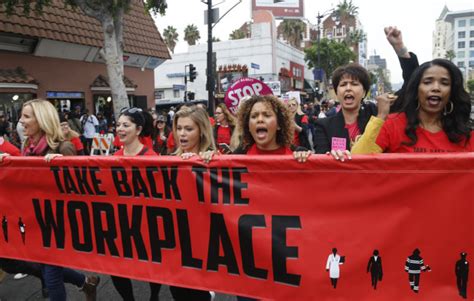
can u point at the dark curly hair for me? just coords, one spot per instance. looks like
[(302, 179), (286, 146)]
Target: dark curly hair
[(284, 136), (455, 124)]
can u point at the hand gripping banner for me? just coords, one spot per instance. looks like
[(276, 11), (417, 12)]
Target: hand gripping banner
[(384, 227)]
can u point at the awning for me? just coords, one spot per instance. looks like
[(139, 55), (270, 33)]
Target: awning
[(17, 79)]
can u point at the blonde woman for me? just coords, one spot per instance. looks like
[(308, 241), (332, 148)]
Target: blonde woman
[(193, 133), (300, 124), (45, 138)]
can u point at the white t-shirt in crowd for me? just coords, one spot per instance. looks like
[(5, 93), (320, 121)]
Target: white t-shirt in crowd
[(89, 125)]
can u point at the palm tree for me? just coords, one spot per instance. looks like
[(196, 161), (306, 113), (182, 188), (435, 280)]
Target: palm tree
[(292, 31), (237, 35), (347, 8), (355, 37), (171, 37), (191, 34), (450, 55)]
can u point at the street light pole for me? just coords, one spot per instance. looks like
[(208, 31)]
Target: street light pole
[(210, 73)]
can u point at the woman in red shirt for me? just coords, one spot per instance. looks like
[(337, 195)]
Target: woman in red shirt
[(434, 119), (131, 125), (224, 127), (267, 128)]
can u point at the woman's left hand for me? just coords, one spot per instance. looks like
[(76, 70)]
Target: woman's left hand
[(340, 155), (186, 156), (302, 156), (49, 157), (206, 156)]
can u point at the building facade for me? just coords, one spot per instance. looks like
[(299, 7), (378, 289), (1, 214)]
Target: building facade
[(262, 56), (454, 36), (56, 56)]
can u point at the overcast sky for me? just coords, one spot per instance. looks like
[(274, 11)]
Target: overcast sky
[(416, 19)]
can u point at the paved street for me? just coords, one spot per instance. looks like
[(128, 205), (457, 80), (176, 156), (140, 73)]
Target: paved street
[(29, 288)]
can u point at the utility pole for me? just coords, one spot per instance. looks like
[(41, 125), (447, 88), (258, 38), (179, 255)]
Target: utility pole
[(210, 73)]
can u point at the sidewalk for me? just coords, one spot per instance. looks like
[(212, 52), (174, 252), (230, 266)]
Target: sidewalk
[(29, 288)]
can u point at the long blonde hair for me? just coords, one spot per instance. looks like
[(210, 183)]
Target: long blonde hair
[(200, 117), (48, 121), (298, 107)]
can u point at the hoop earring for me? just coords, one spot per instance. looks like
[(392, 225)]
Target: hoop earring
[(451, 109), (418, 106)]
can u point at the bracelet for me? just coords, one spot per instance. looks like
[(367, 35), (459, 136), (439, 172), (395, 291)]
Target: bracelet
[(402, 51)]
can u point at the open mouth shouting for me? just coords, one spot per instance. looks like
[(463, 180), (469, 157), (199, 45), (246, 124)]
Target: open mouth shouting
[(434, 100), (183, 142), (261, 133), (349, 99)]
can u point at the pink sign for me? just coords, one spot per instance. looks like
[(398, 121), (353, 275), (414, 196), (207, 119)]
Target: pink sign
[(338, 143), (242, 88)]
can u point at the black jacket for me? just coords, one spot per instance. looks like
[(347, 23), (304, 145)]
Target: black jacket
[(327, 128)]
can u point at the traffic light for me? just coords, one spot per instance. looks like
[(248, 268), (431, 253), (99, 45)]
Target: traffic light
[(192, 72)]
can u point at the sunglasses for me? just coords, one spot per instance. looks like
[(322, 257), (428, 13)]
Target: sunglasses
[(130, 110)]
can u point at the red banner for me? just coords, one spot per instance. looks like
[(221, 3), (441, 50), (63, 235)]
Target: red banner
[(259, 226)]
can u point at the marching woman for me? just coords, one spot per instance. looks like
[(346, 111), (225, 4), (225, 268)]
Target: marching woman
[(267, 128), (224, 127), (193, 133), (434, 119), (132, 126), (44, 138)]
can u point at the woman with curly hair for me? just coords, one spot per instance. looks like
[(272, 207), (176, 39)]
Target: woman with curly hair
[(267, 128), (434, 119)]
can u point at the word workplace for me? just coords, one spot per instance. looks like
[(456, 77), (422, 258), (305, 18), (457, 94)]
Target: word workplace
[(156, 230)]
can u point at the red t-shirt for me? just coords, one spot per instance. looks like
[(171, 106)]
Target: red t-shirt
[(146, 151), (296, 138), (254, 150), (77, 144), (7, 147), (393, 134), (143, 140), (223, 135), (353, 130), (170, 144)]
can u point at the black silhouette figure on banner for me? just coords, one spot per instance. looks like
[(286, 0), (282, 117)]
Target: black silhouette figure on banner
[(332, 265), (5, 228), (22, 226), (375, 268), (414, 266), (462, 273)]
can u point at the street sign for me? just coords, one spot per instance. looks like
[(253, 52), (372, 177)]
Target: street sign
[(243, 88), (255, 66), (214, 16)]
